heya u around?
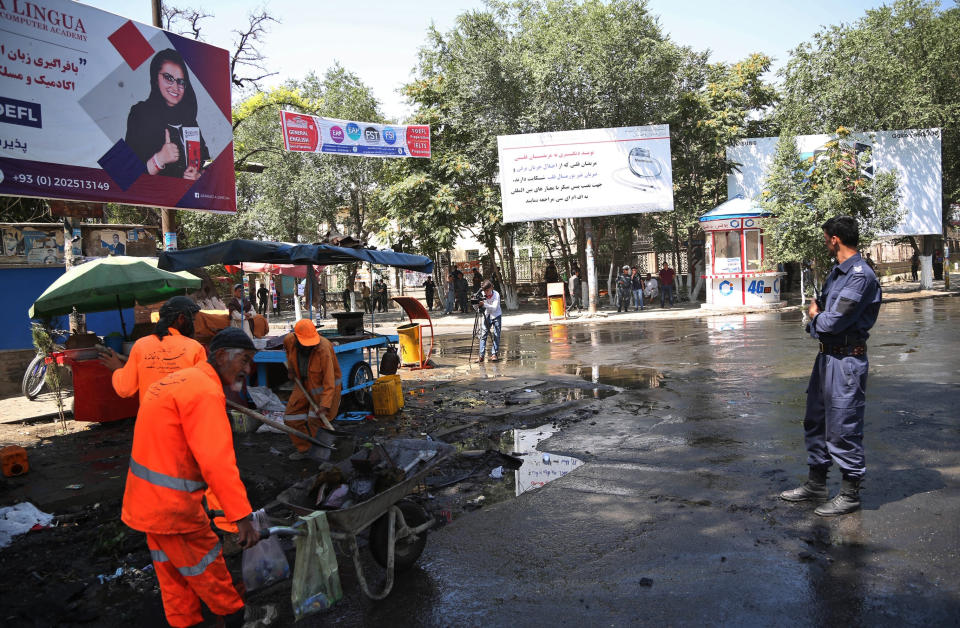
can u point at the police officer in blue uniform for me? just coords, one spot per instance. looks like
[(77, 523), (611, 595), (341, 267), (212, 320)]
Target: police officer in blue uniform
[(840, 320)]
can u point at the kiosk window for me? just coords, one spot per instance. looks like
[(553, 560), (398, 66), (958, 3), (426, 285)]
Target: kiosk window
[(754, 250), (727, 256)]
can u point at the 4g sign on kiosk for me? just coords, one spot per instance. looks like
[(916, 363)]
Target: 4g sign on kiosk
[(313, 134), (95, 107)]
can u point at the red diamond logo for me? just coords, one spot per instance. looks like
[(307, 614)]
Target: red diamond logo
[(131, 44)]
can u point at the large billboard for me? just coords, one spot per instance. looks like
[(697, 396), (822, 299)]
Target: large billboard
[(313, 134), (95, 107), (594, 172), (913, 154)]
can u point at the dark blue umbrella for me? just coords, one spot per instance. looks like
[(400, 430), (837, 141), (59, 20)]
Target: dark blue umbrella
[(238, 251)]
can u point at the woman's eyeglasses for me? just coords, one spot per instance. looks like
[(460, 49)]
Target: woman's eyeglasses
[(170, 79)]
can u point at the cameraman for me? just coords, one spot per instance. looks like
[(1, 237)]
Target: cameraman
[(489, 304)]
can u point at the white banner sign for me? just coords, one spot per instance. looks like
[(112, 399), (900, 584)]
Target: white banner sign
[(595, 172), (915, 156), (313, 134)]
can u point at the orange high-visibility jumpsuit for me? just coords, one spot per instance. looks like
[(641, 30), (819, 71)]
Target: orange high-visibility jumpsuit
[(153, 358), (322, 381), (181, 444)]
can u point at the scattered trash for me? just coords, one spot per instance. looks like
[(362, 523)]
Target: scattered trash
[(20, 518), (476, 501), (73, 487), (353, 416), (274, 415), (497, 474), (275, 451)]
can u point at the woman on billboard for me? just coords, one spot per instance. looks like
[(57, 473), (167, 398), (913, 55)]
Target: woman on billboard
[(162, 130)]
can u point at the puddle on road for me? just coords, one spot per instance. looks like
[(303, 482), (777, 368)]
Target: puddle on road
[(538, 467), (636, 377)]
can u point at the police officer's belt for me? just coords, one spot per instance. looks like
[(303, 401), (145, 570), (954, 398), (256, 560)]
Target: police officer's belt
[(843, 350)]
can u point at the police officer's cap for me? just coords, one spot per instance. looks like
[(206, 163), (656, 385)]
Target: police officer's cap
[(231, 338), (179, 305)]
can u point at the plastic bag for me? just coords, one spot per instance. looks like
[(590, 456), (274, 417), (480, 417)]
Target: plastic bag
[(265, 562), (316, 577)]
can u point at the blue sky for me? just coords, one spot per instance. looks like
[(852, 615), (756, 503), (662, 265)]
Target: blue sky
[(378, 39)]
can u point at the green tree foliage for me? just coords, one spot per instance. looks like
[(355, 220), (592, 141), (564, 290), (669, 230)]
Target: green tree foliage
[(802, 194), (719, 104), (898, 67), (297, 193)]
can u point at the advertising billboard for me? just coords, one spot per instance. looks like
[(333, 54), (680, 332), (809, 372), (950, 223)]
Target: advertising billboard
[(915, 155), (95, 107), (313, 134), (594, 172)]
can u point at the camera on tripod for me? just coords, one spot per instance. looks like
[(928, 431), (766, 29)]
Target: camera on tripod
[(476, 299)]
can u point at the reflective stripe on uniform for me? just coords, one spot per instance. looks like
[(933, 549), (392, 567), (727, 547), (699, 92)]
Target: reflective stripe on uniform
[(159, 557), (200, 567), (295, 417), (164, 480), (316, 391)]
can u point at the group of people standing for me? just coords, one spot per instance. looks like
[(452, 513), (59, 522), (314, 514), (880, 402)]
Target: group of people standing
[(632, 288), (377, 298), (458, 290)]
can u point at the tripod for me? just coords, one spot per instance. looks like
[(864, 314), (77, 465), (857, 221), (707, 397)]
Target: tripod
[(476, 325)]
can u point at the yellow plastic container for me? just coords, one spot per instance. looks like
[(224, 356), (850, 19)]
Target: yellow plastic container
[(386, 401), (397, 383), (411, 344), (556, 307)]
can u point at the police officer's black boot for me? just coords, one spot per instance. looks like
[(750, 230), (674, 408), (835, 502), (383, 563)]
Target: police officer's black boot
[(846, 501), (814, 489)]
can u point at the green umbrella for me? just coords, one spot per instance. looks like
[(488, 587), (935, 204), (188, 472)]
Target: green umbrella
[(111, 282)]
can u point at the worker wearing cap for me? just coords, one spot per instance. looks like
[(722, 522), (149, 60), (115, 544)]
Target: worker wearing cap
[(312, 360), (182, 444), (168, 349)]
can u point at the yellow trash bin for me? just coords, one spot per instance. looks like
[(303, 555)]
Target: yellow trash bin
[(556, 307), (411, 344)]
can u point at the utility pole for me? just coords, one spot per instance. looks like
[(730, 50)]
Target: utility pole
[(592, 291), (168, 220)]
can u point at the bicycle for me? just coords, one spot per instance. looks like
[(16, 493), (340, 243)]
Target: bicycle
[(36, 374)]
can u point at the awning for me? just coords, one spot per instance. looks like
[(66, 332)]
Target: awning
[(236, 251)]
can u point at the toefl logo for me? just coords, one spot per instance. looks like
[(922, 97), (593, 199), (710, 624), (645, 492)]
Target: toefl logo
[(20, 112)]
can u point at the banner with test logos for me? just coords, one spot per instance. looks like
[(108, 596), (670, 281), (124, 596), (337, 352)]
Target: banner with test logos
[(96, 107), (313, 134)]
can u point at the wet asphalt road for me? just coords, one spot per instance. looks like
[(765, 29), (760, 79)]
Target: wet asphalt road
[(673, 519)]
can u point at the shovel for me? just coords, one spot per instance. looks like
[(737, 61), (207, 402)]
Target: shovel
[(314, 405), (280, 426)]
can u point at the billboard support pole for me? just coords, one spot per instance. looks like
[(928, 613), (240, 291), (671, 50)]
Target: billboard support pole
[(168, 220), (591, 267)]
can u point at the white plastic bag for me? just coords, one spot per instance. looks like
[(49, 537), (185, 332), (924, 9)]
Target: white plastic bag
[(265, 562)]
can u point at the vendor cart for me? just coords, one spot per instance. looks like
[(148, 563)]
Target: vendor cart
[(398, 527), (358, 356)]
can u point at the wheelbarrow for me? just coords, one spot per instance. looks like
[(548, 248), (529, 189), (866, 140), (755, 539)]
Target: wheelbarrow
[(398, 527)]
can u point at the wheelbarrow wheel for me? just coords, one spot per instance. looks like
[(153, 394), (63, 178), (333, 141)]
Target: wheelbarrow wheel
[(33, 379), (361, 373), (405, 551)]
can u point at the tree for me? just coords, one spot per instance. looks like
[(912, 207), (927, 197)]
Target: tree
[(803, 193), (719, 104), (524, 67), (895, 68)]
